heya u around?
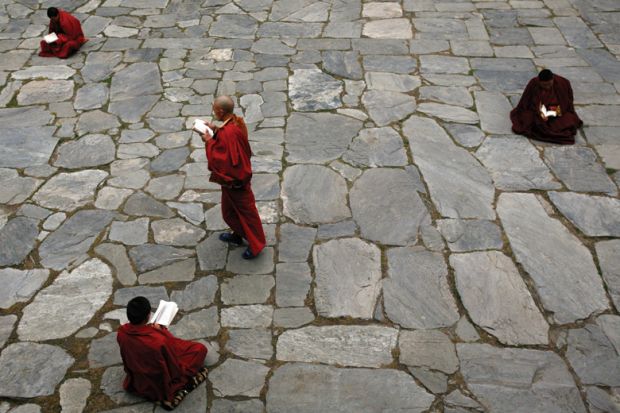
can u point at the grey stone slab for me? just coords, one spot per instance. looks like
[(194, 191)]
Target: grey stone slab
[(247, 316), (234, 26), (518, 379), (577, 167), (341, 390), (17, 239), (469, 136), (52, 72), (358, 346), (178, 271), (262, 264), (416, 293), (292, 284), (391, 82), (74, 394), (7, 323), (595, 216), (576, 32), (238, 378), (600, 115), (112, 386), (377, 147), (341, 229), (69, 243), (455, 95), (295, 242), (295, 30), (443, 64), (20, 285), (301, 184), (131, 110), (153, 294), (306, 136), (212, 253), (25, 146), (141, 204), (605, 63), (150, 256), (69, 191), (116, 255), (88, 151), (199, 324), (515, 164), (449, 113), (96, 121), (494, 110), (430, 349), (91, 96), (386, 107), (246, 289), (608, 253), (563, 272), (99, 65), (342, 63), (14, 118), (130, 232), (135, 80), (197, 294), (390, 64), (593, 351), (104, 352), (348, 274), (233, 406), (266, 187), (45, 91), (434, 381), (87, 287), (460, 189), (167, 187), (32, 369), (497, 298), (387, 207), (292, 317), (15, 189), (312, 90), (470, 235), (170, 160), (250, 343), (601, 401)]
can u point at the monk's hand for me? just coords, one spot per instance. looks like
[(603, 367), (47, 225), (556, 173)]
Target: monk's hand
[(206, 137)]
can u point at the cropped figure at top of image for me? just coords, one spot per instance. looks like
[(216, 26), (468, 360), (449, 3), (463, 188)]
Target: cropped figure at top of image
[(545, 111), (159, 366), (228, 155), (65, 35)]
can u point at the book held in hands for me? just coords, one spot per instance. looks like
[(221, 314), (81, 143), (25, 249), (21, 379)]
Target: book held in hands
[(50, 38), (201, 127), (165, 313), (548, 113)]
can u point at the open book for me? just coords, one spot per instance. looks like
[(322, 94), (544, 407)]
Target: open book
[(50, 38), (165, 313), (201, 127), (548, 113)]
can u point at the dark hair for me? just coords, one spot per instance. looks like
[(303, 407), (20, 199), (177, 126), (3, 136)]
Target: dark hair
[(138, 309), (545, 75), (52, 12)]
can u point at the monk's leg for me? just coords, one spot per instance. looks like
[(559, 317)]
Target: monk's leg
[(68, 49), (229, 212), (46, 49), (245, 205)]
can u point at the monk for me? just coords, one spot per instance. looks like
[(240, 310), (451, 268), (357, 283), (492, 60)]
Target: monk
[(556, 94), (69, 32), (159, 366), (228, 156)]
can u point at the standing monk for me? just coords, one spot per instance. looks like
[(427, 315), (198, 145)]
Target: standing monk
[(69, 32), (159, 366), (228, 154), (555, 94)]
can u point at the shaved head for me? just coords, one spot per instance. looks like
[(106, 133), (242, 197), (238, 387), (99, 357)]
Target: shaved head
[(226, 104)]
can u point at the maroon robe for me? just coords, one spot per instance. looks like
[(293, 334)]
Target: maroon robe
[(228, 154), (157, 363), (526, 119), (70, 37)]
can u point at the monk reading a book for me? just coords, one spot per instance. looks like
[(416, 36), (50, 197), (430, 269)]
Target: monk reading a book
[(228, 153), (159, 366), (65, 35), (545, 111)]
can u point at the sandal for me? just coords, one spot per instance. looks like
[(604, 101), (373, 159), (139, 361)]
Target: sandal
[(197, 379), (178, 398)]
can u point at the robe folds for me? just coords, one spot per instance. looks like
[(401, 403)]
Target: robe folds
[(526, 119), (70, 37), (228, 156), (157, 363)]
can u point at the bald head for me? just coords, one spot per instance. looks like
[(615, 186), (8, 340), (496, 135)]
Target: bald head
[(225, 104)]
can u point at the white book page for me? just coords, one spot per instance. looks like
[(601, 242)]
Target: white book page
[(157, 312), (201, 127), (548, 113), (50, 38), (168, 313)]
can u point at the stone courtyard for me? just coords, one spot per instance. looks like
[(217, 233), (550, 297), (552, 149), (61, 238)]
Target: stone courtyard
[(421, 257)]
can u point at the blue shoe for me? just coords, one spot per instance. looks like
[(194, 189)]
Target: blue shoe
[(247, 255), (231, 238)]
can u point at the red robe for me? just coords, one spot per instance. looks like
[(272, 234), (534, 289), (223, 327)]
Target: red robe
[(228, 154), (526, 118), (157, 363), (70, 37)]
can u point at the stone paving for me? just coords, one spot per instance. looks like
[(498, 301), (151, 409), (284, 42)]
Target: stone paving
[(421, 258)]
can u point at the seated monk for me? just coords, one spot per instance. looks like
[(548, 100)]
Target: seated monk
[(159, 366), (69, 32), (556, 94)]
